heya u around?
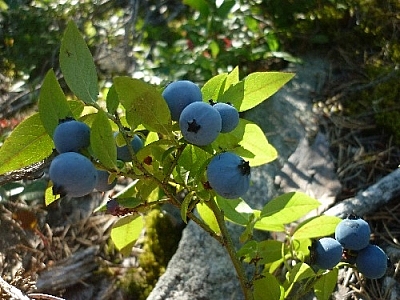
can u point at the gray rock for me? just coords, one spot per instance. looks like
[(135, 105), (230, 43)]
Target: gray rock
[(201, 268)]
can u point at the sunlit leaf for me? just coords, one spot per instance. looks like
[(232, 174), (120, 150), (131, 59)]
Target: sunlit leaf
[(231, 79), (236, 210), (49, 197), (102, 141), (29, 143), (77, 65), (214, 87), (316, 227), (288, 207), (255, 88), (126, 231), (248, 141), (208, 216)]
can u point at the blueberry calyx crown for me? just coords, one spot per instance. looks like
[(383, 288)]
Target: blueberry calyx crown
[(244, 167), (66, 119), (193, 126), (353, 217)]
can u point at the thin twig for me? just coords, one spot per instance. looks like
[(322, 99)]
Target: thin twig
[(219, 215)]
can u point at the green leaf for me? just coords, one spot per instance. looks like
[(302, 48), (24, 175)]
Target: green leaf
[(225, 8), (146, 188), (208, 216), (200, 5), (264, 225), (126, 231), (53, 106), (214, 48), (288, 207), (267, 224), (231, 79), (316, 227), (325, 285), (299, 272), (235, 210), (49, 197), (193, 160), (268, 287), (255, 88), (248, 251), (77, 107), (29, 143), (248, 141), (248, 233), (272, 41), (102, 141), (77, 65), (214, 87), (185, 204), (112, 100), (270, 251), (144, 104)]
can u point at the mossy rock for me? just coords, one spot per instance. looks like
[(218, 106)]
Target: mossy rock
[(159, 245)]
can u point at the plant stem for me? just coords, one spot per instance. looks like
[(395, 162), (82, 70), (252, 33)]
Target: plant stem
[(244, 283)]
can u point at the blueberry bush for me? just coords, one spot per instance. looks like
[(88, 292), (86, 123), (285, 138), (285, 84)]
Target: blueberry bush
[(181, 151)]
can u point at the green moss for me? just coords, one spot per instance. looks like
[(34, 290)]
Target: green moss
[(159, 245)]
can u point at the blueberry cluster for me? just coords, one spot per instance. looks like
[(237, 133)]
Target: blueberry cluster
[(352, 244), (72, 173), (200, 122)]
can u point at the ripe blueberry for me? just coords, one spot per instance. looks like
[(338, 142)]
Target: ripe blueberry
[(372, 261), (200, 123), (72, 174), (229, 116), (180, 94), (229, 175), (123, 151), (353, 233), (102, 181), (71, 136), (328, 252)]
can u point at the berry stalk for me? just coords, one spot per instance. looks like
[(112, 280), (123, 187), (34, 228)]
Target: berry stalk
[(227, 242)]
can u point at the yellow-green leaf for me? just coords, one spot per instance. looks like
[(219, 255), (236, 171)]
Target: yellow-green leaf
[(288, 207), (316, 227), (248, 141), (126, 231), (214, 87), (102, 141), (208, 216), (29, 143), (255, 88)]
